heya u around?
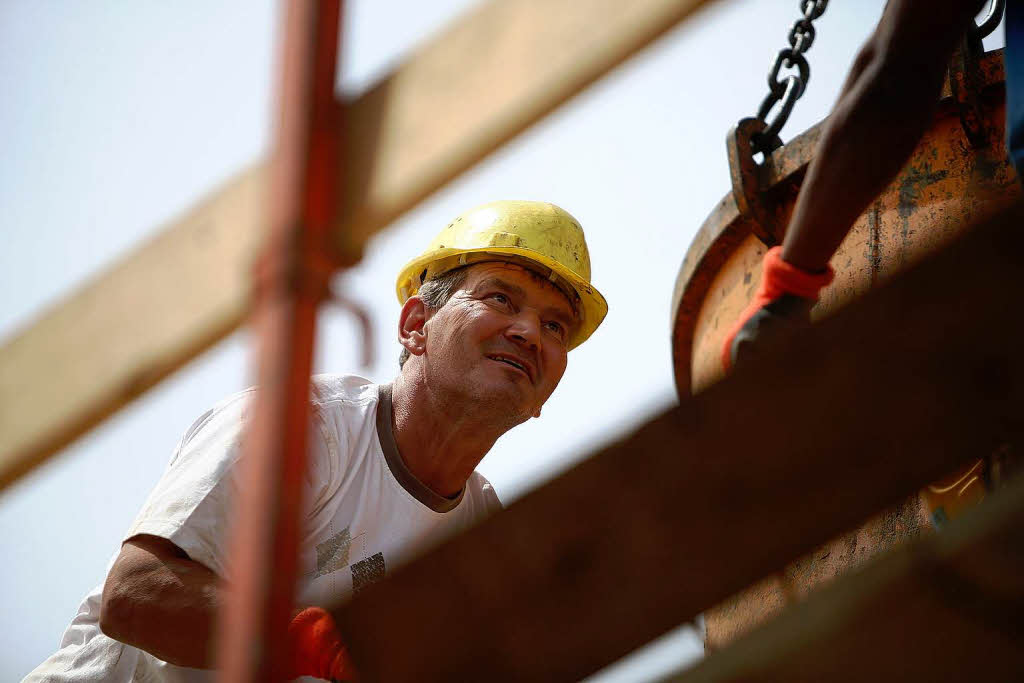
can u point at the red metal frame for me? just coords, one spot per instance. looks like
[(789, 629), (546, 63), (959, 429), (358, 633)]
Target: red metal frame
[(291, 279)]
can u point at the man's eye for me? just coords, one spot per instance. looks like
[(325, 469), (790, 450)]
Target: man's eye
[(555, 327), (500, 298)]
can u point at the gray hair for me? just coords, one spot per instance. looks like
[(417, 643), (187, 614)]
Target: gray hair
[(435, 293)]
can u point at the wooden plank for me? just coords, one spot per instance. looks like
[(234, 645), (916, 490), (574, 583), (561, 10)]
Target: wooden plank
[(121, 333), (946, 608), (855, 414), (485, 79), (497, 70)]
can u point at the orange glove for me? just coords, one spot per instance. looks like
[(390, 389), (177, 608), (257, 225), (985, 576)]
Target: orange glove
[(949, 498), (316, 647), (786, 291)]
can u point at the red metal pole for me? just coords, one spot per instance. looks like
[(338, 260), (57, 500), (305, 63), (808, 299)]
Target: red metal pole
[(290, 281)]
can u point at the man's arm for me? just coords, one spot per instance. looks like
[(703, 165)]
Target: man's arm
[(162, 596), (160, 601), (887, 102)]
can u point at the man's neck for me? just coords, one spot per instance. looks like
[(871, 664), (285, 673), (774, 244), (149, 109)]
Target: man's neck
[(440, 443)]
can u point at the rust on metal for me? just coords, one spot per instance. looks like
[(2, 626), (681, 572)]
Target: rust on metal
[(292, 280), (746, 180), (950, 181), (964, 82)]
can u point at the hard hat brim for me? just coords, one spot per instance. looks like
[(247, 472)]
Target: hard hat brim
[(592, 306)]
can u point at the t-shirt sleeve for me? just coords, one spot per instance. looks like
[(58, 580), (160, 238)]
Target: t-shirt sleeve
[(194, 502), (493, 502), (489, 497)]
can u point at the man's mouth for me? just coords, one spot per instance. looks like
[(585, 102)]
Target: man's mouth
[(514, 362)]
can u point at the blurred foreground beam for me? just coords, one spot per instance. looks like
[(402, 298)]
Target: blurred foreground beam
[(857, 413), (291, 280), (949, 607), (486, 78), (489, 76)]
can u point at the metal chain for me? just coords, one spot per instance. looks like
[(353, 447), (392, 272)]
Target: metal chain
[(789, 88)]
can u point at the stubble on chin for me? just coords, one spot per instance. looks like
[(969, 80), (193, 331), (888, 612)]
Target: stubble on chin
[(503, 406), (503, 413), (483, 396)]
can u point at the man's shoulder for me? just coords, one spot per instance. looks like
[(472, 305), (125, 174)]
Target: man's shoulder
[(343, 405), (328, 392), (479, 487), (333, 388)]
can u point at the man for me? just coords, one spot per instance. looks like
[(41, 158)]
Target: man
[(887, 102), (489, 313)]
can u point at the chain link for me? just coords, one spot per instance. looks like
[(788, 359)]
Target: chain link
[(785, 91), (789, 88)]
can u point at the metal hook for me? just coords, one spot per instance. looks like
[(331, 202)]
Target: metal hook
[(362, 316)]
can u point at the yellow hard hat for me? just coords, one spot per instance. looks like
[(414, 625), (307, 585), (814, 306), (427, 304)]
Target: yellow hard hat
[(541, 236)]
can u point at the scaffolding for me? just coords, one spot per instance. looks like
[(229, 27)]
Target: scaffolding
[(536, 593)]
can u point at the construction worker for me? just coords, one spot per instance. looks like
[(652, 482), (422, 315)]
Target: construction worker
[(886, 104), (489, 312)]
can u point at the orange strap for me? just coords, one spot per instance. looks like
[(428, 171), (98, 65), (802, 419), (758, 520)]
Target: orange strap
[(778, 277), (316, 647)]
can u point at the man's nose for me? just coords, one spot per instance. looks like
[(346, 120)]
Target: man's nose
[(525, 329)]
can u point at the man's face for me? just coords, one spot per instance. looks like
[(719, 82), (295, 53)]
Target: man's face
[(501, 340)]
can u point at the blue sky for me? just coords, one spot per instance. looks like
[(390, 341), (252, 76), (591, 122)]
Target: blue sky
[(118, 116)]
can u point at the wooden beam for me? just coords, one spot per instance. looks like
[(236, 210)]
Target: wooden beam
[(497, 70), (946, 608), (852, 416), (481, 82), (127, 329)]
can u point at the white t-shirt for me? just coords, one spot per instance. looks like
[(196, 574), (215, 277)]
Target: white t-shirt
[(364, 513)]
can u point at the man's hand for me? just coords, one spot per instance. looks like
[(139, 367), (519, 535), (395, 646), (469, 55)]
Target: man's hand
[(316, 647), (783, 301)]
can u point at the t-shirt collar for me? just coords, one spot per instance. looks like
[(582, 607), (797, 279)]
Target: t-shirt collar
[(416, 488)]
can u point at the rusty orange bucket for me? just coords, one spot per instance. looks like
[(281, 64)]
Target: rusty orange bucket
[(958, 173)]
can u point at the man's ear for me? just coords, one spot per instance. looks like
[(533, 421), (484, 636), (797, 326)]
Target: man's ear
[(411, 321)]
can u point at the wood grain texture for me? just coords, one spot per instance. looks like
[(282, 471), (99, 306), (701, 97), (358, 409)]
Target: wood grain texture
[(494, 72), (853, 415)]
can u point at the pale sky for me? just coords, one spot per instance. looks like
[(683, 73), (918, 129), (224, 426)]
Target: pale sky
[(119, 116)]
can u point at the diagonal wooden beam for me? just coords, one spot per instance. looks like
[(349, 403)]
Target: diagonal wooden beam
[(496, 71), (946, 608), (853, 416), (128, 328), (485, 79)]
